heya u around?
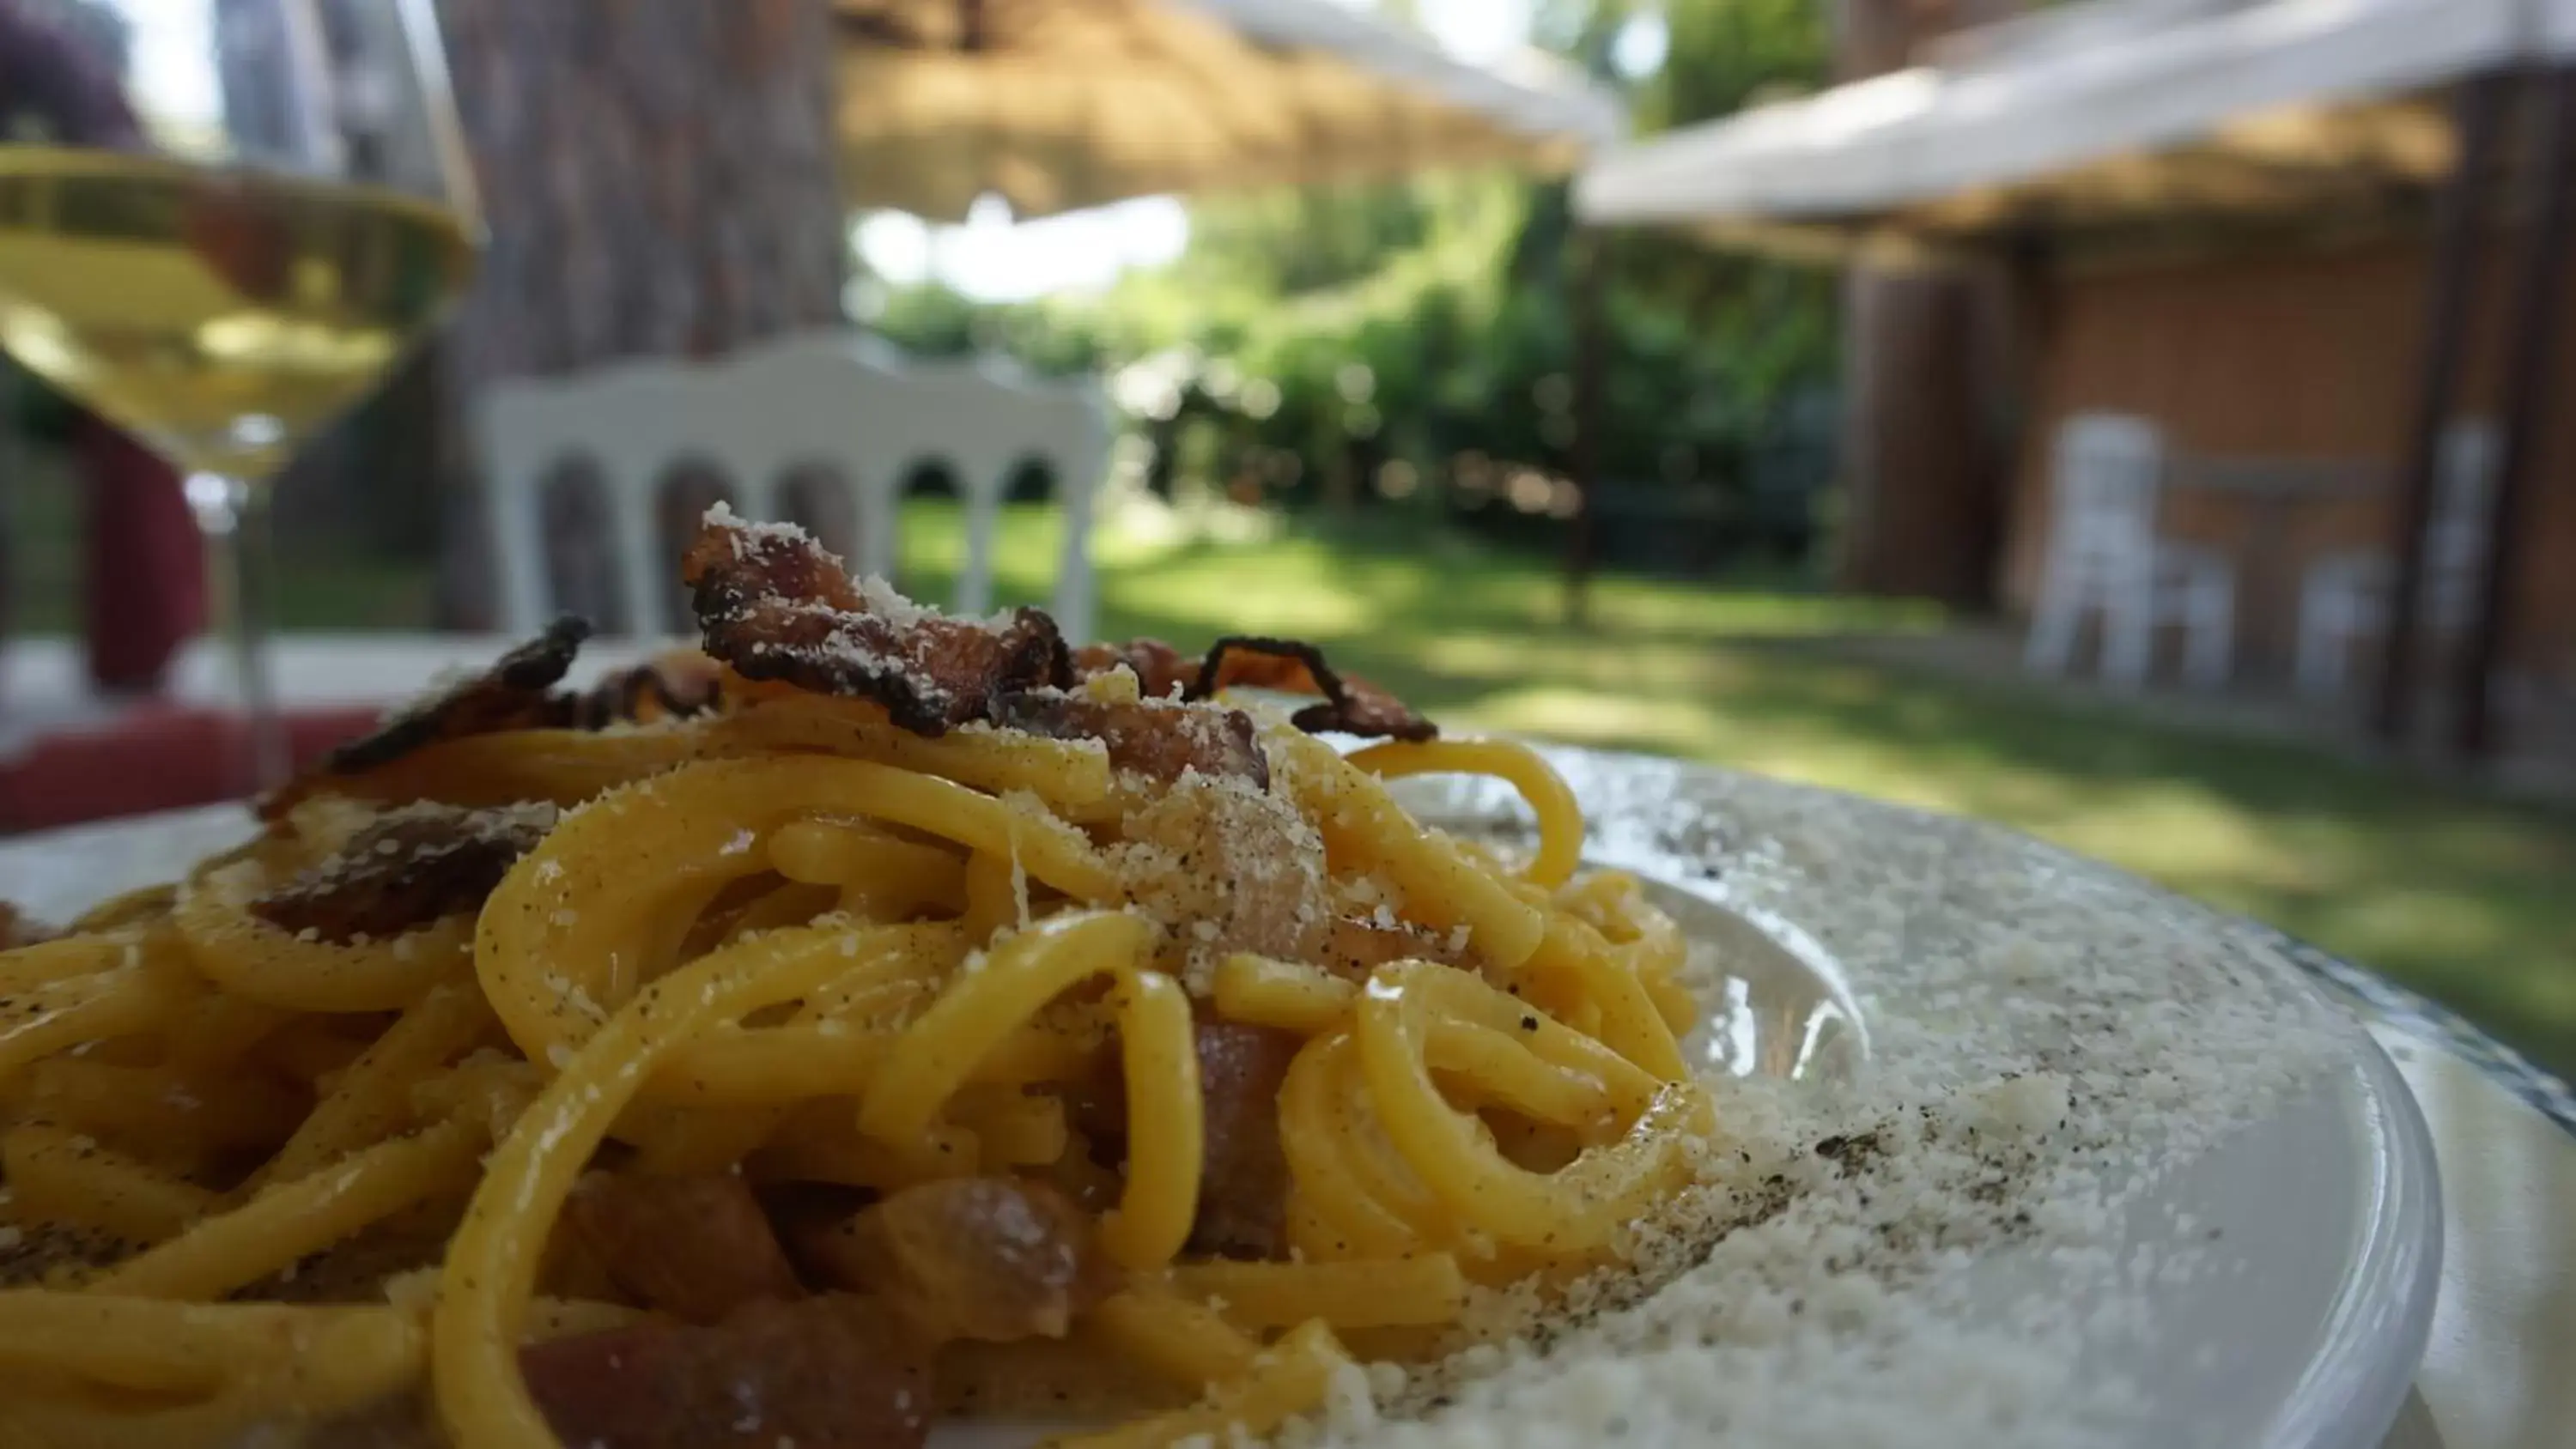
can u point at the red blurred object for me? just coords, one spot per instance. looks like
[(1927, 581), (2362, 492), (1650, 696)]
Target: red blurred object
[(153, 757), (147, 567)]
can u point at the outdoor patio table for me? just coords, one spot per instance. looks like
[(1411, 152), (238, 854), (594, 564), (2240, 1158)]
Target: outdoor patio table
[(2269, 493)]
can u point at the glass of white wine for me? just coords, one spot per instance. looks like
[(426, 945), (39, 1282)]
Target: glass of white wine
[(222, 222)]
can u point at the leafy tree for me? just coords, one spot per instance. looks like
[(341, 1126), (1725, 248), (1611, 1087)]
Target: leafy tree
[(1420, 336)]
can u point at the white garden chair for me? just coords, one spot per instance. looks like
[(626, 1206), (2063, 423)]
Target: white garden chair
[(2104, 557), (2344, 598), (836, 400)]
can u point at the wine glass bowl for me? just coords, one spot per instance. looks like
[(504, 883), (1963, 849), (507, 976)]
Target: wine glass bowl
[(228, 222), (221, 316)]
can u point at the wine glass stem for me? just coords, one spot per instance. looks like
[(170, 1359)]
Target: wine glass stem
[(233, 516)]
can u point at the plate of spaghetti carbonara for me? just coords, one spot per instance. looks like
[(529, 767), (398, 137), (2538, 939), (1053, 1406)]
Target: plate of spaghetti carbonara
[(876, 1023), (876, 1017)]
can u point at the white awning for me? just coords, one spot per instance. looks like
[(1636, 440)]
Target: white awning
[(2237, 94), (1527, 92), (1056, 105)]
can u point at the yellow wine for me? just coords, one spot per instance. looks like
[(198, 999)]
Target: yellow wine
[(223, 316)]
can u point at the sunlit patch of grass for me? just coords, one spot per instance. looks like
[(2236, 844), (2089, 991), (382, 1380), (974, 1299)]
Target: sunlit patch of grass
[(2177, 832), (1657, 667), (1580, 716)]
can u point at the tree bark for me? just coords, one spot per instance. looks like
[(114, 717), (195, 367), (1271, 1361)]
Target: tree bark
[(1926, 461), (1873, 37), (658, 180)]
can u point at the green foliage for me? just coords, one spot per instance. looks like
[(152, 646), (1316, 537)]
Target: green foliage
[(1288, 243), (1730, 54), (1328, 333)]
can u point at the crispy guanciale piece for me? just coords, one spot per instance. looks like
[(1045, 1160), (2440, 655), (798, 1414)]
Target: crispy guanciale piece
[(697, 1247), (1156, 738), (1243, 1178), (515, 693), (17, 929), (775, 604), (820, 1373), (1161, 670), (681, 684), (407, 868), (990, 1258), (1351, 705)]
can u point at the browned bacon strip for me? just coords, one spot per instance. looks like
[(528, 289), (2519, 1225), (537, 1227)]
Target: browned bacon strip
[(697, 1247), (989, 1258), (1351, 705), (822, 1373), (1156, 738), (1161, 671), (17, 929), (775, 604), (517, 692), (513, 694), (678, 685), (407, 868), (1243, 1179)]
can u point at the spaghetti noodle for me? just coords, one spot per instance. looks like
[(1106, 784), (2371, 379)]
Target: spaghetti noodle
[(909, 1012)]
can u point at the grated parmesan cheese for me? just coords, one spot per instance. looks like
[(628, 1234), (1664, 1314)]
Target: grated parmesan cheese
[(2043, 1041)]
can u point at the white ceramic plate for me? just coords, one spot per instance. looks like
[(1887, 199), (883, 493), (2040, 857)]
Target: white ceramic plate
[(2315, 1229), (2313, 1225)]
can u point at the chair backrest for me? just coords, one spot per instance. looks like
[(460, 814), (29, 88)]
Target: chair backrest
[(2463, 494), (2455, 537), (836, 399), (2105, 472)]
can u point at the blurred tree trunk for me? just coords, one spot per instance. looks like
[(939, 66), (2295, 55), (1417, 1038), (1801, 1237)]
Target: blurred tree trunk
[(1927, 453), (659, 180)]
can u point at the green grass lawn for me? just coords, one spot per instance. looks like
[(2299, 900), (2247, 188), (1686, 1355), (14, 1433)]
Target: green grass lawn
[(2469, 900)]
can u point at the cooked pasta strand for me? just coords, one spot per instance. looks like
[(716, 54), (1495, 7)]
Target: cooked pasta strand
[(291, 1219), (1560, 817), (56, 1175), (491, 1261), (373, 1096), (1364, 1293)]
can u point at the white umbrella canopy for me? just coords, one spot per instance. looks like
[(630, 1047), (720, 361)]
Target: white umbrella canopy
[(2114, 118), (1060, 104)]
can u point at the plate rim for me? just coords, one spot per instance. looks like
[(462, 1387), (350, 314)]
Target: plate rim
[(2359, 1380)]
